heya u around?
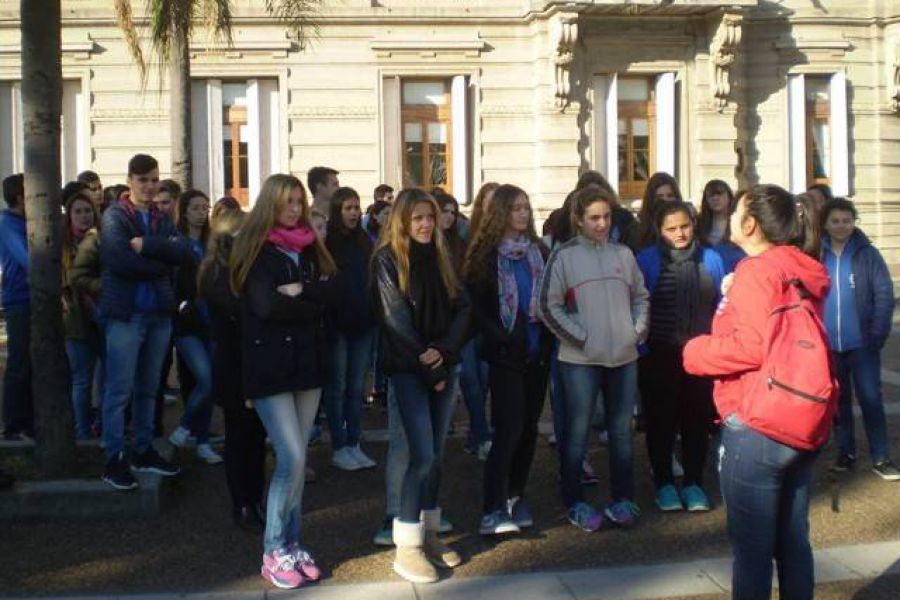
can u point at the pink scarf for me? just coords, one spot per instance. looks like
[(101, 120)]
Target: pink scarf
[(292, 240)]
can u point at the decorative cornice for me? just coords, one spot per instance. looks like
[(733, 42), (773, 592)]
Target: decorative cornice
[(427, 48), (128, 114), (563, 36), (81, 50), (832, 47), (332, 112), (276, 48), (723, 53), (506, 110)]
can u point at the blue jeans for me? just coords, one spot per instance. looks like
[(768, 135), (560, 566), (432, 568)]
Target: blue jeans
[(765, 485), (474, 388), (135, 350), (582, 383), (288, 419), (83, 359), (198, 410), (425, 417), (343, 394), (862, 368), (18, 403)]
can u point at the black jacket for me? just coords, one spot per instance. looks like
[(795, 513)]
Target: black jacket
[(283, 341), (225, 331), (509, 349), (401, 343), (352, 310)]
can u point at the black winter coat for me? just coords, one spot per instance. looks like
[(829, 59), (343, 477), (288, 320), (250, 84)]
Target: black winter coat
[(400, 343), (225, 331), (352, 311), (283, 341), (508, 349)]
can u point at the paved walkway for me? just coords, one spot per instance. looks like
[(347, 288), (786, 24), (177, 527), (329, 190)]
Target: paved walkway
[(682, 579)]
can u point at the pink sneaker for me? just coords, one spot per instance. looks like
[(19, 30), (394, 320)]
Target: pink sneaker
[(280, 568), (305, 564)]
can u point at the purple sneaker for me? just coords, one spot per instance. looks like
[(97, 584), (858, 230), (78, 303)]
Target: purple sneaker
[(305, 564), (622, 513), (583, 516), (280, 569)]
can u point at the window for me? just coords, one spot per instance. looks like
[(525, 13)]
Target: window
[(818, 140), (426, 117), (234, 142), (634, 129), (73, 142), (818, 131), (236, 136), (636, 135)]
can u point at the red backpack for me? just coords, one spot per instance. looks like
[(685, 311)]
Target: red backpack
[(793, 397)]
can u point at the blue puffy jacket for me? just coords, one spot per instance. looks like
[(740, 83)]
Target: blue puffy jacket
[(123, 270), (873, 289), (14, 259)]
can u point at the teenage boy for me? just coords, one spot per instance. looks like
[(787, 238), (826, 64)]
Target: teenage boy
[(323, 183), (137, 252), (18, 405)]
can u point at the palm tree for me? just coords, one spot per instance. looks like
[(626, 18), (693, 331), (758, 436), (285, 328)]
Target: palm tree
[(172, 24), (42, 105)]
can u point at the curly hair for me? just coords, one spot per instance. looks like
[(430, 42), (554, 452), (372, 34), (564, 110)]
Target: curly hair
[(494, 224)]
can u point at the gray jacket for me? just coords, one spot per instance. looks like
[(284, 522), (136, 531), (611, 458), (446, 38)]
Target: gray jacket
[(594, 300)]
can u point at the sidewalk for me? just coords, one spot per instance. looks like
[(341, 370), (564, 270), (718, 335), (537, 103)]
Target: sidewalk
[(711, 577)]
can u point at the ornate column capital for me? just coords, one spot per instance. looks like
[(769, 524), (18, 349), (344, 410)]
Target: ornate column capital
[(563, 36), (723, 53)]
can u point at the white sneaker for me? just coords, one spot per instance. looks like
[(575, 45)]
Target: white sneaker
[(677, 469), (362, 459), (179, 437), (344, 460), (207, 454), (484, 448)]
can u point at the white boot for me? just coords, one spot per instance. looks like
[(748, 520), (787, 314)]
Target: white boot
[(437, 552), (410, 562)]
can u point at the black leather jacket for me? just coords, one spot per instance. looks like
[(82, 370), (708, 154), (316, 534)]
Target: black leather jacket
[(401, 343)]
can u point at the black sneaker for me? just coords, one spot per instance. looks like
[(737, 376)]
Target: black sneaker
[(117, 474), (886, 470), (844, 463), (151, 462)]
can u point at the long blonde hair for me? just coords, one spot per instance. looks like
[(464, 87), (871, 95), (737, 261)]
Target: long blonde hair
[(274, 196), (396, 235)]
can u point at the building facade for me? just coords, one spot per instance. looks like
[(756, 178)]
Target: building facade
[(532, 92)]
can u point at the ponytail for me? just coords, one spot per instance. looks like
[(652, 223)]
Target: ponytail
[(783, 219)]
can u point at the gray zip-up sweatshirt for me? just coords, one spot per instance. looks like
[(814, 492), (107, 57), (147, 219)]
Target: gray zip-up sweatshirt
[(594, 300)]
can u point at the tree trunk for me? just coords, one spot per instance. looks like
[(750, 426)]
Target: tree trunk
[(42, 104), (180, 107)]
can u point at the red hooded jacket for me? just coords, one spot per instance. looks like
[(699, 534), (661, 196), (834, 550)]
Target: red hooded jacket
[(733, 352)]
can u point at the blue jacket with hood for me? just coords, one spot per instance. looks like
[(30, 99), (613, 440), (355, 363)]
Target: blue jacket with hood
[(860, 305)]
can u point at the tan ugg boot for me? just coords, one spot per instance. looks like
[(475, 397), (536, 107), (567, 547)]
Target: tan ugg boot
[(410, 562), (437, 552)]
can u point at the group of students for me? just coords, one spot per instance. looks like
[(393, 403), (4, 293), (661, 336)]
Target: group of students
[(280, 307)]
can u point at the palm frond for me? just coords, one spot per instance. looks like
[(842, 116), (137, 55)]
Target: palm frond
[(215, 16), (125, 17), (298, 15)]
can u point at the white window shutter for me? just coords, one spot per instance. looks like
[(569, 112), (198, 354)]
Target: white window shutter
[(665, 123), (459, 114), (840, 145), (797, 132)]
